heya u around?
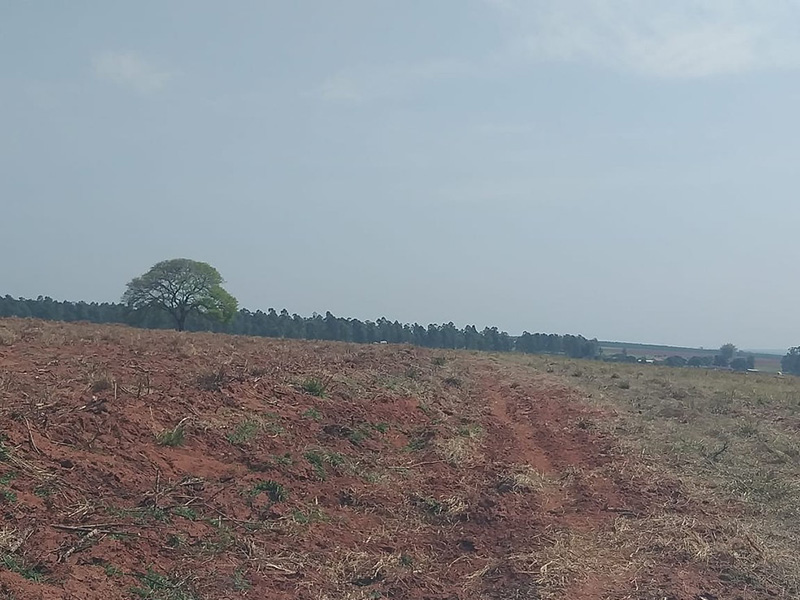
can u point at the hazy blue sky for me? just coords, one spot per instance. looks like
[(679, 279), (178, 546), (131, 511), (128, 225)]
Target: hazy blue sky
[(625, 169)]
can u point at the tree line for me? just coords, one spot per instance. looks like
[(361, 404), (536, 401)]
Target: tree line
[(282, 324)]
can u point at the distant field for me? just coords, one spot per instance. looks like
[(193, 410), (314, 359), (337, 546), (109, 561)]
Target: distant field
[(770, 363)]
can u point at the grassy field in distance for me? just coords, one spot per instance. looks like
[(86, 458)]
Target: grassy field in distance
[(770, 363)]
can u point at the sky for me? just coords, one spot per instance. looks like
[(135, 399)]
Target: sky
[(621, 169)]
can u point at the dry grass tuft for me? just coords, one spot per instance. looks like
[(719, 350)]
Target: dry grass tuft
[(7, 336), (522, 479)]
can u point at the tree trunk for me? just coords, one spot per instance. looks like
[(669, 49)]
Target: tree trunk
[(180, 320)]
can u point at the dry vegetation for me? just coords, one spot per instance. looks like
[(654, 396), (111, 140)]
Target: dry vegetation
[(731, 439), (139, 464)]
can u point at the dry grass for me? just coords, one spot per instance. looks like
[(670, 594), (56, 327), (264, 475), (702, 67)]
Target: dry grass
[(523, 479), (461, 450), (7, 336), (730, 439)]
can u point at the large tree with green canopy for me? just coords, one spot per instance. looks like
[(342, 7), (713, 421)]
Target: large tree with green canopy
[(181, 287)]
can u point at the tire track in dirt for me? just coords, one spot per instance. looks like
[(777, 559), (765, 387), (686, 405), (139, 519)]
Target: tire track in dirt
[(542, 424)]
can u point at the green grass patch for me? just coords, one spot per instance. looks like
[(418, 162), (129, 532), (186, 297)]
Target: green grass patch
[(8, 495), (274, 490), (172, 437), (185, 511), (320, 459), (314, 386), (19, 566), (155, 586), (310, 515), (313, 413), (244, 432)]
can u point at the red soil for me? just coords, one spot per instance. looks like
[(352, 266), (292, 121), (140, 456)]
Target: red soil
[(96, 501)]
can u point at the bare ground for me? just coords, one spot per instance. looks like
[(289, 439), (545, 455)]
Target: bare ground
[(139, 464)]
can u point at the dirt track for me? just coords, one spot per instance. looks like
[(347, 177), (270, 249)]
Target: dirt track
[(418, 475)]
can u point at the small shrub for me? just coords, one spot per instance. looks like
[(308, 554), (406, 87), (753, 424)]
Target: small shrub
[(421, 439), (313, 413), (186, 512), (101, 384), (245, 431), (212, 381), (381, 427), (175, 541), (8, 495), (7, 337), (314, 386), (439, 361), (111, 571), (412, 373), (358, 436), (284, 460), (624, 384), (275, 491), (240, 582), (319, 459), (172, 437), (309, 516), (471, 431), (44, 491), (452, 382)]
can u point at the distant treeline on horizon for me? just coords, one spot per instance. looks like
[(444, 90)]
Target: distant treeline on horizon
[(317, 327)]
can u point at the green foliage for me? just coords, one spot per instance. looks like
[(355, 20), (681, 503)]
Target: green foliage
[(313, 413), (275, 491), (186, 512), (358, 436), (111, 571), (172, 437), (271, 323), (675, 361), (314, 386), (240, 582), (181, 287), (740, 363), (381, 427), (319, 459), (8, 495), (284, 460), (44, 490), (470, 431), (700, 361), (245, 431), (306, 517), (155, 586), (790, 363), (726, 354), (19, 566)]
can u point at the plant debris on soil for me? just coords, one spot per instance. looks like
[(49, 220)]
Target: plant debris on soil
[(179, 466)]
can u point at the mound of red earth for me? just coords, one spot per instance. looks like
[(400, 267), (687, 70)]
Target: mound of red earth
[(141, 464)]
